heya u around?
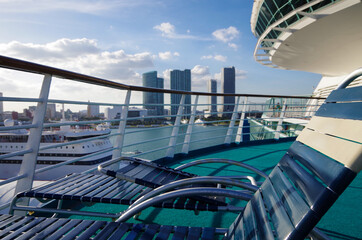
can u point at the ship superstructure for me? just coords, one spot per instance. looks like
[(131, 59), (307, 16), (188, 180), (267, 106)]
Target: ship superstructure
[(320, 36)]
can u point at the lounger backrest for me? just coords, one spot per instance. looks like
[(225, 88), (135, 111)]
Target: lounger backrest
[(317, 168)]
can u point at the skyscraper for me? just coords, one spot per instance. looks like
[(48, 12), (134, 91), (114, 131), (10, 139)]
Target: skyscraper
[(150, 79), (228, 86), (92, 110), (180, 80), (212, 100)]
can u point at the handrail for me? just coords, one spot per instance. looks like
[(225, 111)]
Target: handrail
[(350, 78), (21, 65)]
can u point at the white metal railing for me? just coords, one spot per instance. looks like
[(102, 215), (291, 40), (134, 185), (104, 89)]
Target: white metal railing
[(253, 118)]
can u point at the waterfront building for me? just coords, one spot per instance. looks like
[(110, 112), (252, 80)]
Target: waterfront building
[(51, 110), (180, 80), (150, 79), (111, 113), (212, 100), (228, 86), (93, 110)]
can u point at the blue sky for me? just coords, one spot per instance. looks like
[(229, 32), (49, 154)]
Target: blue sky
[(119, 40)]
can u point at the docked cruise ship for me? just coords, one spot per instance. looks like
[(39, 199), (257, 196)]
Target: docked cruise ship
[(16, 140)]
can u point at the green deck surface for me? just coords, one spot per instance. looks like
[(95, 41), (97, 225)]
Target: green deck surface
[(341, 222)]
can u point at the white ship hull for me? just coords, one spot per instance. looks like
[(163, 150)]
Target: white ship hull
[(94, 152)]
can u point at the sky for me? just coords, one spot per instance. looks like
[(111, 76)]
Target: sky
[(120, 39)]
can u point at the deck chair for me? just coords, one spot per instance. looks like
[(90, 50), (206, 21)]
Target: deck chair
[(314, 172), (136, 179)]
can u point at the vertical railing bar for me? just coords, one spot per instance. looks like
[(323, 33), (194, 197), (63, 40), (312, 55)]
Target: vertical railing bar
[(172, 144), (186, 145), (121, 129), (28, 164), (280, 122), (239, 134), (232, 122)]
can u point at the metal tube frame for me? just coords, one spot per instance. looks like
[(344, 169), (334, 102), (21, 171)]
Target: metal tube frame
[(121, 128), (171, 146), (232, 122), (280, 122), (29, 160), (239, 134), (186, 145), (220, 160), (183, 193)]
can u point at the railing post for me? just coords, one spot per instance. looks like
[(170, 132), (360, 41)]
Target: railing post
[(186, 146), (232, 123), (171, 145), (117, 152), (239, 134), (280, 122), (28, 164)]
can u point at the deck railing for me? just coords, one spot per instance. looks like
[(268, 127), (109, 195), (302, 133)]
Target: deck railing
[(252, 117)]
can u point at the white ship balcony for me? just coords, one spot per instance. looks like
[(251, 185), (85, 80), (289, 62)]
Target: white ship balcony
[(320, 36)]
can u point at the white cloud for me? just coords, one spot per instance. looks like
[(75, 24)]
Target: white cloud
[(166, 28), (220, 58), (215, 57), (82, 55), (200, 76), (78, 55), (200, 70), (169, 31), (83, 6), (166, 77), (226, 34), (233, 45), (240, 74), (168, 55), (207, 57)]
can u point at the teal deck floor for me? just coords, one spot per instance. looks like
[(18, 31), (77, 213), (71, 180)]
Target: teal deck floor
[(341, 222)]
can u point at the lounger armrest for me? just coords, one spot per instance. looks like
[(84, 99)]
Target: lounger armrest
[(187, 192), (196, 180), (226, 161)]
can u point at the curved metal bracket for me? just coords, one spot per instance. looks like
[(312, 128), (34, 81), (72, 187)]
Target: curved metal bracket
[(195, 180), (220, 160), (182, 193), (352, 76)]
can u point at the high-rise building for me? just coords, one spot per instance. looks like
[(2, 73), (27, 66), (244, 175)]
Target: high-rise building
[(1, 107), (51, 110), (212, 100), (93, 110), (180, 80), (228, 86), (150, 79)]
